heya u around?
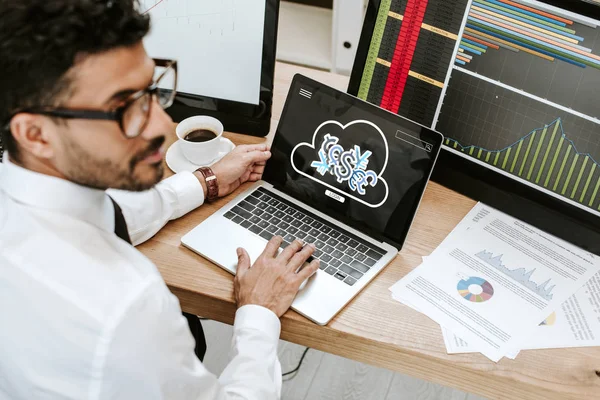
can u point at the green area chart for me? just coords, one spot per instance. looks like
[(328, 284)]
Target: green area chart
[(547, 158)]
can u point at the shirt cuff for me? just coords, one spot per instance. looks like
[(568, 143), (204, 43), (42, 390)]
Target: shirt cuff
[(258, 318), (188, 191)]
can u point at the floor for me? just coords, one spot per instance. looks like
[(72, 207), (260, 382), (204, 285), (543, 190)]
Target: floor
[(328, 377)]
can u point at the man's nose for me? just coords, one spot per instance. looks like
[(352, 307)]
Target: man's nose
[(160, 122)]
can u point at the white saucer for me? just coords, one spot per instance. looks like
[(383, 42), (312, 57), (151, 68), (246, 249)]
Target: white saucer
[(178, 163)]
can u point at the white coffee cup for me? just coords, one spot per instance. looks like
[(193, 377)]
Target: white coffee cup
[(200, 153)]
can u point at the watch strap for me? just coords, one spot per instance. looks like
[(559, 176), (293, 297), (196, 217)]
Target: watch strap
[(212, 185)]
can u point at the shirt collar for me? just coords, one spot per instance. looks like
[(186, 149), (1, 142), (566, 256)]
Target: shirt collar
[(58, 195)]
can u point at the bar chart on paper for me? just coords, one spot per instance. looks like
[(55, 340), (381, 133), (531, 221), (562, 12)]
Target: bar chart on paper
[(218, 44), (522, 97)]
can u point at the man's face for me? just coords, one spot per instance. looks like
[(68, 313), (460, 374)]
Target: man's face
[(96, 153)]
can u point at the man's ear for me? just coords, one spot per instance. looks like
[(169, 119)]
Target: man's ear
[(33, 133)]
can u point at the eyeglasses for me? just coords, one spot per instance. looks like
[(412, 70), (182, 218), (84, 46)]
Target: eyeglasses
[(134, 113)]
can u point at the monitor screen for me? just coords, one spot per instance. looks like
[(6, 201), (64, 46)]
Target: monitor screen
[(355, 162), (512, 85)]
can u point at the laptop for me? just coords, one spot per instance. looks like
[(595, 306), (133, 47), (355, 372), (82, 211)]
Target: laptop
[(345, 175)]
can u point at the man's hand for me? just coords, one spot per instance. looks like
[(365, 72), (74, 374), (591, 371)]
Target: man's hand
[(243, 164), (272, 281)]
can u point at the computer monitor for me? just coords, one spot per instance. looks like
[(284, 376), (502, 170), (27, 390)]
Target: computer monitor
[(513, 85)]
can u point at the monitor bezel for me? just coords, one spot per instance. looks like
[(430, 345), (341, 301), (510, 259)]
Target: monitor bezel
[(530, 204)]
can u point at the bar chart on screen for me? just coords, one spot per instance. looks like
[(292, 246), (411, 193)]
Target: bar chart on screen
[(218, 44)]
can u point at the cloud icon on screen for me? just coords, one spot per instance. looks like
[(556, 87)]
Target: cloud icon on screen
[(349, 159)]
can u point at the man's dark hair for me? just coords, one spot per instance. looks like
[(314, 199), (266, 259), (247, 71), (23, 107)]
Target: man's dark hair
[(41, 40)]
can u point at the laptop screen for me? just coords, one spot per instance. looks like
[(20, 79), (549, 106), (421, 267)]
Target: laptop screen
[(351, 160)]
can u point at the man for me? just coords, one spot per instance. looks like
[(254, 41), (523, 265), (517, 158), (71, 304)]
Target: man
[(84, 315)]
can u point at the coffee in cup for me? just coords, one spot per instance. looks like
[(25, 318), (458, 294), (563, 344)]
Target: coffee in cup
[(200, 139), (200, 135)]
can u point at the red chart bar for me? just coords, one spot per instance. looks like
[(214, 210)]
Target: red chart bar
[(403, 54)]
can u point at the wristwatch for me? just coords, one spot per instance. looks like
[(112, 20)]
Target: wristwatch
[(212, 184)]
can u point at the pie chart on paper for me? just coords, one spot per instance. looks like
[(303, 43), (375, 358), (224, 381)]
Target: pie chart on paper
[(475, 289)]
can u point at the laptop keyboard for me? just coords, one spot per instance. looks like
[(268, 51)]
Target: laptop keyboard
[(342, 254)]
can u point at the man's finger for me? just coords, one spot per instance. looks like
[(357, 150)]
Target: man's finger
[(253, 147), (273, 247), (308, 271), (300, 257), (255, 177), (255, 157), (287, 253), (259, 169), (243, 261)]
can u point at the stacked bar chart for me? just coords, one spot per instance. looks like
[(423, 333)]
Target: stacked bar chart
[(411, 51)]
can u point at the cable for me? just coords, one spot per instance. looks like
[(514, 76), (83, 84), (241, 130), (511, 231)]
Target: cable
[(299, 363)]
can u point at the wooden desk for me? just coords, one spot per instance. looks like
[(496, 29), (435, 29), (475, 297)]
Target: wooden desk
[(373, 328)]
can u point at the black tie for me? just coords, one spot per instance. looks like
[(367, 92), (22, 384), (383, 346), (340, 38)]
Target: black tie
[(120, 223), (193, 321)]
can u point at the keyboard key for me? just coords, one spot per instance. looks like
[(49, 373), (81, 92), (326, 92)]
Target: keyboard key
[(340, 276), (281, 207), (229, 215), (299, 215), (279, 214), (359, 266), (255, 220), (288, 218), (310, 239), (284, 225), (258, 212), (335, 234), (253, 200), (351, 252), (335, 263), (246, 224), (273, 202), (284, 244), (275, 221), (257, 194), (305, 228), (271, 210), (347, 259), (314, 232), (330, 270), (262, 206), (317, 253), (325, 229), (326, 257), (323, 266), (328, 249), (308, 220), (370, 262), (296, 223), (246, 206), (351, 271), (332, 242), (237, 219), (319, 244), (337, 254), (362, 248), (350, 281), (344, 239), (263, 224), (315, 224), (291, 230), (255, 229), (290, 211), (352, 243), (341, 247), (301, 235), (241, 212), (360, 257), (281, 233), (323, 237), (374, 255), (266, 235), (272, 229), (266, 216), (289, 238)]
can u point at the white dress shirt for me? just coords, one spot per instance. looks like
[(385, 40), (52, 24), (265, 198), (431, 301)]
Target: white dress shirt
[(84, 315)]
